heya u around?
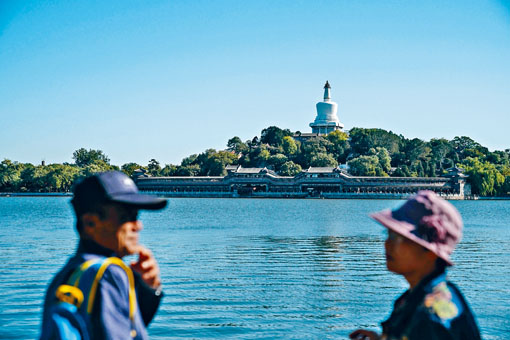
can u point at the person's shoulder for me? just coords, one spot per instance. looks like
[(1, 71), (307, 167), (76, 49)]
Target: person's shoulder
[(442, 304), (115, 275)]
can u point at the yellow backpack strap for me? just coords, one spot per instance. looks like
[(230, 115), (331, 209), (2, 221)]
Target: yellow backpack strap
[(132, 295), (70, 292), (76, 276)]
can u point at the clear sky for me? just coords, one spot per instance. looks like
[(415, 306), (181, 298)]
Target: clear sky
[(166, 79)]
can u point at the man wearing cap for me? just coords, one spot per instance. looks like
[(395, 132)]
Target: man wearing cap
[(422, 234), (106, 207)]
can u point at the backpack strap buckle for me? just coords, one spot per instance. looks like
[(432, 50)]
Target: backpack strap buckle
[(70, 294)]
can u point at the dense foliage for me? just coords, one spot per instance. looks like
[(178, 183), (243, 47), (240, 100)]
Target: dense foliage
[(25, 177), (366, 152)]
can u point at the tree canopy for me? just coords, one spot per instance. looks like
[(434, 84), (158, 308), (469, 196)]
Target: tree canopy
[(83, 157), (365, 152)]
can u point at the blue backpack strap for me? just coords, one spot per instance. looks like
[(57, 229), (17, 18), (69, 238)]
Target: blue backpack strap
[(65, 318), (81, 288)]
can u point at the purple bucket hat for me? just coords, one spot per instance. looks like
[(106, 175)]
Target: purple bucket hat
[(428, 220)]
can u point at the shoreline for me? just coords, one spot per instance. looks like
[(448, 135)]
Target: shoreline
[(36, 194), (213, 195)]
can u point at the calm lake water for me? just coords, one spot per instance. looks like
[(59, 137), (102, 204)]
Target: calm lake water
[(257, 269)]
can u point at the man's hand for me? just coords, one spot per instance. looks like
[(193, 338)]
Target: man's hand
[(363, 334), (147, 267)]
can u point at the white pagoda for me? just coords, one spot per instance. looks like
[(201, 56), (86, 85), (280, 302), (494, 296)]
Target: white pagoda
[(326, 120)]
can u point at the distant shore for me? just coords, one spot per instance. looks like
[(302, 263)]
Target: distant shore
[(35, 194), (183, 195)]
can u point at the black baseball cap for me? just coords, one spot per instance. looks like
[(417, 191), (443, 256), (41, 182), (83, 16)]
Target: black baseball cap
[(112, 186)]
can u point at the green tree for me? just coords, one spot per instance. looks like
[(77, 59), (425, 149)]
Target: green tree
[(384, 158), (60, 177), (9, 175), (366, 166), (484, 177), (129, 168), (362, 140), (441, 149), (244, 161), (339, 146), (96, 166), (505, 188), (323, 160), (83, 158), (235, 144), (192, 159), (337, 136), (290, 169), (188, 170), (213, 163), (259, 156), (273, 135), (70, 174), (416, 150), (276, 161), (290, 146), (448, 163), (466, 147), (417, 169), (26, 178), (402, 171), (315, 145), (34, 178), (169, 170), (154, 168), (498, 157), (311, 149), (431, 172)]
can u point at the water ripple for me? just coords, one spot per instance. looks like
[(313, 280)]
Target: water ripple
[(257, 269)]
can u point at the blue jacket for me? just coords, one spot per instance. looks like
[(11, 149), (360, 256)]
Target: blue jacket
[(110, 315), (434, 310)]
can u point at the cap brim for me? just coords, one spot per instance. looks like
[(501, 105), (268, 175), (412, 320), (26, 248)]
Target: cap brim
[(140, 201), (404, 228)]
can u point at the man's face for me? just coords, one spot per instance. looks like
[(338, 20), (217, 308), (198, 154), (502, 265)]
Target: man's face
[(117, 229)]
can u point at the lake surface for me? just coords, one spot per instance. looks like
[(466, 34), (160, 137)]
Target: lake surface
[(257, 268)]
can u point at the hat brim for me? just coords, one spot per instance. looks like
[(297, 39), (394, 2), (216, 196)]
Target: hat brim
[(140, 201), (405, 229)]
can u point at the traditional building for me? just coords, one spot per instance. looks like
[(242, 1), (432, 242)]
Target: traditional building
[(328, 182)]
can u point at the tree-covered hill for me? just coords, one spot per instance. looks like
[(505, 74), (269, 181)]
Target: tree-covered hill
[(366, 152)]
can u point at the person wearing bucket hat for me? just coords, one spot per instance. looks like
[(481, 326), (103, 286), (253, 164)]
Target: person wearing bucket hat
[(106, 206), (422, 235)]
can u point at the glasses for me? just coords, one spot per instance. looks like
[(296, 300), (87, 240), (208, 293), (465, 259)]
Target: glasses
[(127, 214)]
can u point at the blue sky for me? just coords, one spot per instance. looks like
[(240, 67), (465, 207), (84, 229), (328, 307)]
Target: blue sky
[(165, 79)]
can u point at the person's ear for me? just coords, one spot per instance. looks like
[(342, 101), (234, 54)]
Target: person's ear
[(89, 222)]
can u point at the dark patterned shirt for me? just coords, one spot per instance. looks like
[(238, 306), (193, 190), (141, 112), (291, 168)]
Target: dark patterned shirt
[(434, 309)]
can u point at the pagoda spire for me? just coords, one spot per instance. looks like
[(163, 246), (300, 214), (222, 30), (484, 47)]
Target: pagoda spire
[(327, 94)]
